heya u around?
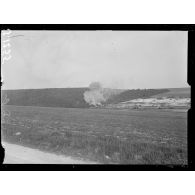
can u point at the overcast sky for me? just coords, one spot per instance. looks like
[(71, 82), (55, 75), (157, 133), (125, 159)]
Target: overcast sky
[(117, 59)]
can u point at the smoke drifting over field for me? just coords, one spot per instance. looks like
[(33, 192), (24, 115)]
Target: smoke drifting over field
[(95, 95)]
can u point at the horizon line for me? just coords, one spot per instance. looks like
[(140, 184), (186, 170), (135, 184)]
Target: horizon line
[(102, 87)]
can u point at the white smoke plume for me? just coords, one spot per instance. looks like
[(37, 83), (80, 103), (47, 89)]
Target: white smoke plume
[(95, 95)]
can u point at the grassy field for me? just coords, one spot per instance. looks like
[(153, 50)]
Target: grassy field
[(103, 135)]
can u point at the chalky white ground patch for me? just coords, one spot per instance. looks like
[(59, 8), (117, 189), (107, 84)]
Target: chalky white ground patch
[(15, 154)]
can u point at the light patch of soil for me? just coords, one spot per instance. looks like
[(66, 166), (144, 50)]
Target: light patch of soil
[(15, 154)]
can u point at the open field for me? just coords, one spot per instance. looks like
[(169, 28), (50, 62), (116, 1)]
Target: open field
[(102, 135)]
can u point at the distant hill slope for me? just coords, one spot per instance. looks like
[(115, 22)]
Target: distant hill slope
[(134, 94), (52, 97), (176, 93), (65, 97), (73, 97)]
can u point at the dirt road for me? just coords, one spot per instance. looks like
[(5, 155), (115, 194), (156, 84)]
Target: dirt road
[(15, 154)]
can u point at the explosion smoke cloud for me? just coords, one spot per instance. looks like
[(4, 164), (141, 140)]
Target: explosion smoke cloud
[(95, 95)]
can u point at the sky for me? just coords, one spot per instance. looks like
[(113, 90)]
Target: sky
[(116, 59)]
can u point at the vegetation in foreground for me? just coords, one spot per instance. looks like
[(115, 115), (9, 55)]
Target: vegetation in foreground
[(103, 135)]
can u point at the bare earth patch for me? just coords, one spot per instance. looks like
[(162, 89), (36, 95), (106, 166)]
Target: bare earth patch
[(15, 154)]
